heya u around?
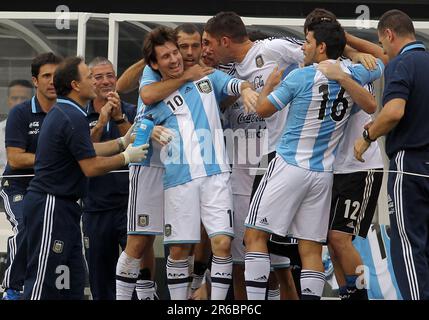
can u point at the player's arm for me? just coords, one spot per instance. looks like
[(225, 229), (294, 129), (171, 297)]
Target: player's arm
[(112, 147), (18, 158), (100, 165), (366, 46), (264, 106), (129, 80), (387, 119), (362, 97), (157, 91)]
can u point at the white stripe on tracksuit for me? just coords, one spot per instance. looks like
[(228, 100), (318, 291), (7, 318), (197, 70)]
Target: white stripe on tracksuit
[(406, 246), (369, 180), (12, 241), (45, 246)]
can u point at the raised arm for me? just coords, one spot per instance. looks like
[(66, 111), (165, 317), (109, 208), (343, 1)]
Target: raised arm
[(129, 80)]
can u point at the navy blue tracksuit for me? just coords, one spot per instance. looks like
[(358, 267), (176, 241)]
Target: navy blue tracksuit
[(105, 217), (56, 268), (22, 131), (407, 145)]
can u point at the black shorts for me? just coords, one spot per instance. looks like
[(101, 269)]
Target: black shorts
[(354, 199)]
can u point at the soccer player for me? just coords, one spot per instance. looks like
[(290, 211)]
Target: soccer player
[(225, 38), (22, 132), (146, 207), (356, 185), (403, 120), (64, 158), (196, 168), (299, 179)]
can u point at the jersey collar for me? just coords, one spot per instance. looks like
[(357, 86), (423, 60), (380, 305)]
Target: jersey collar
[(415, 45), (35, 105), (72, 103), (90, 108)]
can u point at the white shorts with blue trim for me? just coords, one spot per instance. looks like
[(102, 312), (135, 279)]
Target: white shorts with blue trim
[(206, 200), (146, 201)]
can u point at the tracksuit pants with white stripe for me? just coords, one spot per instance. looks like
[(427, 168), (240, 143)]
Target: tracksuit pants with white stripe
[(56, 268), (408, 197), (13, 199)]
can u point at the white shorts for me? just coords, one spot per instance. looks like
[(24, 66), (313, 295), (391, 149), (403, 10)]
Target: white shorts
[(241, 208), (292, 201), (206, 200), (146, 201)]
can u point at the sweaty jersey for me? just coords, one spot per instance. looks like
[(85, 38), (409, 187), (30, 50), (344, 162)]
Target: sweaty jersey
[(192, 113), (258, 64), (318, 113)]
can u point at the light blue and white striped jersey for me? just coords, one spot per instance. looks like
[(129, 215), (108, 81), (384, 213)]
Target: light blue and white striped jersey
[(318, 112), (192, 113), (153, 159)]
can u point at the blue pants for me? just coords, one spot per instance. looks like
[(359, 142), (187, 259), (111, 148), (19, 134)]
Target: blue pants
[(55, 268), (104, 234), (16, 245), (409, 221)]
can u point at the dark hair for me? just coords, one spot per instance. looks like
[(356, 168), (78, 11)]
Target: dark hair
[(227, 24), (318, 15), (41, 60), (157, 37), (397, 21), (20, 82), (188, 28), (332, 34), (67, 71), (257, 35)]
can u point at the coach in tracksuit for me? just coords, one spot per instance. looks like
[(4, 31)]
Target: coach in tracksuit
[(404, 119), (64, 158), (105, 206), (22, 131)]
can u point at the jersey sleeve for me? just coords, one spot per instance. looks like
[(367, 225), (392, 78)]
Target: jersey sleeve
[(16, 129), (159, 112), (224, 85), (285, 51), (363, 75), (398, 82), (149, 76), (78, 140), (286, 91)]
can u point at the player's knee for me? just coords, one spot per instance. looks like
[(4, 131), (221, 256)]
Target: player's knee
[(179, 252), (255, 236), (339, 242), (135, 246), (221, 245)]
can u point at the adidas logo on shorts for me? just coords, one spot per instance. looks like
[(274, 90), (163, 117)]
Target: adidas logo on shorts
[(264, 221)]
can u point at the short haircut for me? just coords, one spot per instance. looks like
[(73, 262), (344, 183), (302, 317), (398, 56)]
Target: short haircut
[(188, 28), (332, 34), (227, 24), (41, 60), (255, 35), (157, 37), (66, 72), (99, 61), (19, 82), (318, 15), (397, 21)]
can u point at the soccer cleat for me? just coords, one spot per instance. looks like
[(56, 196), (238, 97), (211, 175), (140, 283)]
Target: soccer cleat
[(11, 294)]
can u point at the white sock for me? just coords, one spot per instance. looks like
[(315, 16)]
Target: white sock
[(274, 294), (256, 272), (127, 272), (312, 283), (145, 289), (221, 275), (178, 278)]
